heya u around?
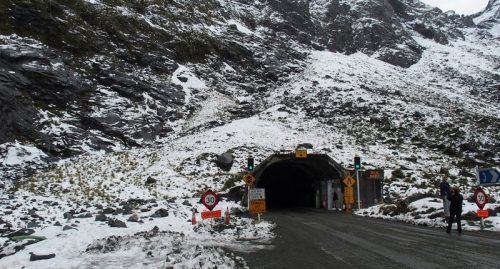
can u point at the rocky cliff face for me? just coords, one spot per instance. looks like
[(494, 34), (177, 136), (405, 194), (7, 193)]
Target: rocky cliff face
[(80, 76)]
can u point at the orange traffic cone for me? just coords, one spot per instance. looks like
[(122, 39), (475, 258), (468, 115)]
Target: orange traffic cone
[(193, 218), (227, 218)]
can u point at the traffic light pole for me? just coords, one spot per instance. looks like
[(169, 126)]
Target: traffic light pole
[(357, 167), (357, 186)]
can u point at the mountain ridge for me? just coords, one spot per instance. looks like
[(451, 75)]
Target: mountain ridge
[(89, 75)]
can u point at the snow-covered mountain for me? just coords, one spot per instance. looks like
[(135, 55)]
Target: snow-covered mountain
[(101, 98), (108, 75)]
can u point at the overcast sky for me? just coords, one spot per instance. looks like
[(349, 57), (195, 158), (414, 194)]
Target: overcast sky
[(459, 6)]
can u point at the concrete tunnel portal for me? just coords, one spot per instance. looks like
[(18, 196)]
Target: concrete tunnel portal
[(292, 182)]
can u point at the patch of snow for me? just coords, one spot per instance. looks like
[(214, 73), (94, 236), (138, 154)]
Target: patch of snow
[(18, 153), (187, 80)]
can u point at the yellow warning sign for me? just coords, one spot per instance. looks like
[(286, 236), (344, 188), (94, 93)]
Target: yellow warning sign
[(348, 195), (301, 153), (349, 181), (257, 206), (249, 179)]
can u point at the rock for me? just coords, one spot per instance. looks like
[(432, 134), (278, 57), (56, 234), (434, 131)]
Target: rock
[(67, 227), (150, 180), (69, 214), (225, 161), (117, 223), (127, 207), (127, 212), (21, 232), (160, 213), (57, 223), (133, 218), (34, 257), (84, 216), (187, 203), (108, 210), (32, 211), (33, 224), (234, 194), (101, 217)]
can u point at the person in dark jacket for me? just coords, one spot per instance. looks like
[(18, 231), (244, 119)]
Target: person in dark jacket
[(444, 190), (336, 200), (456, 200)]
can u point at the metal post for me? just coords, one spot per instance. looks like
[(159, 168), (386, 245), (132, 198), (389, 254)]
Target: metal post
[(477, 175), (482, 223), (357, 186), (329, 196)]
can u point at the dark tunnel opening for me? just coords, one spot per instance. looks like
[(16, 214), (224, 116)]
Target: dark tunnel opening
[(288, 185)]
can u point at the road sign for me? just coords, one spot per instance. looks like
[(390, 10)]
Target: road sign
[(349, 195), (483, 213), (210, 199), (349, 181), (257, 194), (480, 198), (375, 174), (301, 153), (257, 197), (488, 176), (249, 179), (211, 214), (257, 206)]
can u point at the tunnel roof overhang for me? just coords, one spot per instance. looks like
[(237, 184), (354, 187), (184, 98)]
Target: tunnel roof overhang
[(321, 166)]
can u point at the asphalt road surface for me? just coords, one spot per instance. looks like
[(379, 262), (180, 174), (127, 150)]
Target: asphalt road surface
[(310, 238)]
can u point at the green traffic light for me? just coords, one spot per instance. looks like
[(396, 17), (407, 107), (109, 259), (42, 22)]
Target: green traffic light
[(357, 163), (250, 164)]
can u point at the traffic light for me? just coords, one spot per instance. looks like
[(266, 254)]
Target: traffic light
[(357, 163), (250, 165)]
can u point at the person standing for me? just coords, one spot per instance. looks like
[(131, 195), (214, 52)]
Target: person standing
[(444, 190), (335, 200), (456, 200)]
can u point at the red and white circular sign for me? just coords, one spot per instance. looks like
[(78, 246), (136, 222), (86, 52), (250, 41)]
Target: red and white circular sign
[(210, 199), (480, 198)]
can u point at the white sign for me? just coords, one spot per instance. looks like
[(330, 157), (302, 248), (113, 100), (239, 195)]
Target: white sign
[(257, 194)]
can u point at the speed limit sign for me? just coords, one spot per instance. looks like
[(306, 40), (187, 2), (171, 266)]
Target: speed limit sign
[(480, 197), (210, 199)]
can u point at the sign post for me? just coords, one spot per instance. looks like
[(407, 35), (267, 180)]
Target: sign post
[(257, 201), (481, 200), (357, 167), (210, 199)]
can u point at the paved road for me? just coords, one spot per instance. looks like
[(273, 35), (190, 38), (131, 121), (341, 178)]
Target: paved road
[(310, 238)]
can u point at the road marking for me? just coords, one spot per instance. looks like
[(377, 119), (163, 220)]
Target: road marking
[(335, 256)]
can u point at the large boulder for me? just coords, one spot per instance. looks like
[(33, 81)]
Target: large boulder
[(225, 161)]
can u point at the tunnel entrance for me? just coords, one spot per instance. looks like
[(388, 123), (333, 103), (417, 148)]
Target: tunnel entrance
[(288, 185), (292, 182)]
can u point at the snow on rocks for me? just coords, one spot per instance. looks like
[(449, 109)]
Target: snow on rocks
[(103, 235)]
